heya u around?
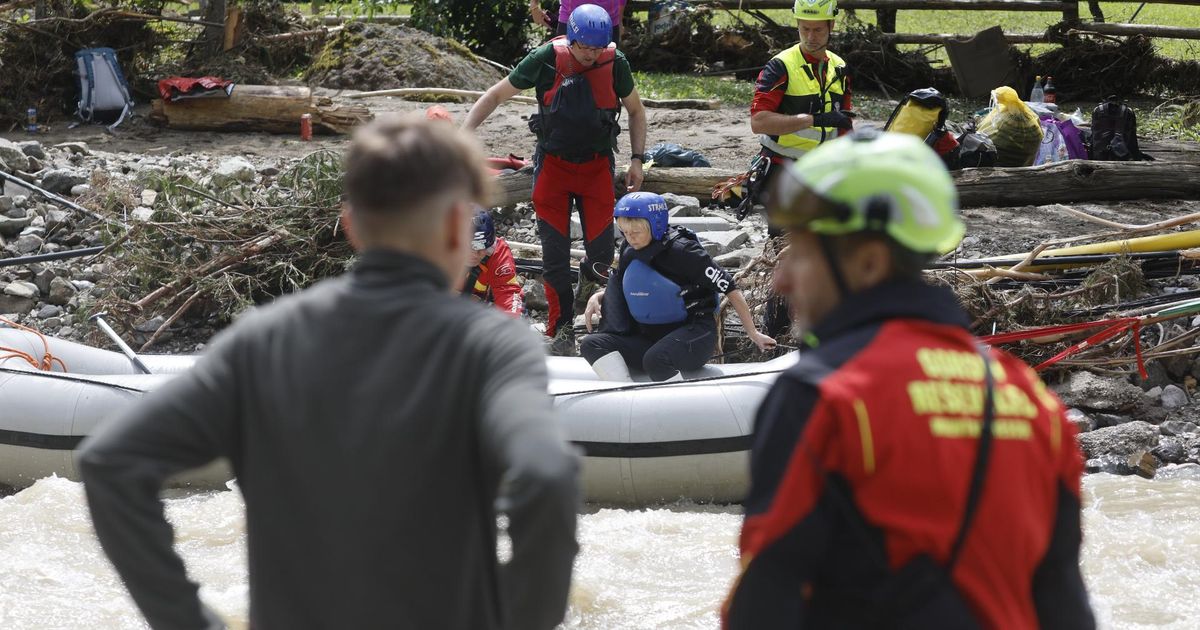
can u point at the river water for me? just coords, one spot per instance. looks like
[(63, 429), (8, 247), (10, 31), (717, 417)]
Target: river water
[(654, 568)]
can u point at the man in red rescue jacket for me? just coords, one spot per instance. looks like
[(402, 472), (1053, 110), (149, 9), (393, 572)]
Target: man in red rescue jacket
[(581, 81), (902, 476), (492, 275)]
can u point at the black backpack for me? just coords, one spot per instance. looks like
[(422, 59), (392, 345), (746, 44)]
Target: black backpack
[(1114, 132), (975, 150), (572, 123)]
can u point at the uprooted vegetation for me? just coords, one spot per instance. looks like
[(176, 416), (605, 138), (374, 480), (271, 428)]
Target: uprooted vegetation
[(209, 252)]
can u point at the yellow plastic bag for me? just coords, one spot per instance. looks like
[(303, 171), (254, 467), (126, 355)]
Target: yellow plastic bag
[(1013, 128), (915, 119)]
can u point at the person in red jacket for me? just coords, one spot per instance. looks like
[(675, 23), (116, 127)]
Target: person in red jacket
[(901, 474), (493, 273)]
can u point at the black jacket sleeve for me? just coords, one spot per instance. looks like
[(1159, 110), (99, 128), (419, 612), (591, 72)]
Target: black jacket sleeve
[(1059, 593), (540, 491), (689, 261), (185, 424)]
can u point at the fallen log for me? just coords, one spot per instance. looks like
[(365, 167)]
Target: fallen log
[(1062, 182), (274, 109), (677, 103)]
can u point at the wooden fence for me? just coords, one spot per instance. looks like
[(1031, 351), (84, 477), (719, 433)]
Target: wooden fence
[(1068, 8)]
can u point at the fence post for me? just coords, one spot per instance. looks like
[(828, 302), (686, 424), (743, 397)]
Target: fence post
[(1070, 11), (886, 20)]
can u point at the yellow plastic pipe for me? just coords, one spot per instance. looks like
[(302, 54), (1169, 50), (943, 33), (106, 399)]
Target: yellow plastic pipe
[(1158, 243)]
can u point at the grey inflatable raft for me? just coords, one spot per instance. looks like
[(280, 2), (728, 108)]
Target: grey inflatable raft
[(643, 443)]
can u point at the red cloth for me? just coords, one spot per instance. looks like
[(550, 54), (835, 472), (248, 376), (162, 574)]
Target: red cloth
[(497, 281), (170, 86)]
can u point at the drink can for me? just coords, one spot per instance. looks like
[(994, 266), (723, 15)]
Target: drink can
[(31, 120), (306, 127)]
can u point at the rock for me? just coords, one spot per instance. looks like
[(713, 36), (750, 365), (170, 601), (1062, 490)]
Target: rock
[(12, 158), (1173, 397), (1154, 392), (21, 289), (1103, 420), (681, 200), (1085, 390), (61, 180), (233, 170), (29, 243), (149, 197), (33, 149), (703, 224), (6, 204), (1170, 450), (15, 189), (1144, 464), (141, 213), (737, 258), (150, 325), (61, 291), (1123, 440), (717, 243), (48, 311), (1177, 427), (83, 285), (42, 278), (1080, 420), (12, 304), (81, 189), (75, 148), (535, 295), (51, 323), (577, 227), (11, 227), (58, 219)]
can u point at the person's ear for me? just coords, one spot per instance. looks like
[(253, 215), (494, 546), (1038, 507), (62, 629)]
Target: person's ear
[(870, 264), (348, 226)]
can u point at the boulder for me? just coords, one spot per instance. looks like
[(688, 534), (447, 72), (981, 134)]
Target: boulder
[(61, 291), (12, 304), (12, 158), (1173, 397), (33, 149), (62, 180), (1124, 440), (1177, 427), (717, 243), (29, 243), (1085, 390), (20, 289), (11, 227), (232, 171)]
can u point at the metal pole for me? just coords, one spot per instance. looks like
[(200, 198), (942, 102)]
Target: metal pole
[(98, 319)]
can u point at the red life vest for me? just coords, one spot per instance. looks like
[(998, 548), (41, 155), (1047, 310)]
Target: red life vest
[(599, 76)]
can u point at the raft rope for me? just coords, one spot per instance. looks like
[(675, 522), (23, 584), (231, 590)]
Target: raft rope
[(73, 379), (48, 359), (634, 386)]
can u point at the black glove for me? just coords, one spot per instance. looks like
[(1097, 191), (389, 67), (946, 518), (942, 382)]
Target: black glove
[(838, 120)]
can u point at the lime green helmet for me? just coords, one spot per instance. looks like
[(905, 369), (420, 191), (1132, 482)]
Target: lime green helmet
[(815, 10), (872, 181)]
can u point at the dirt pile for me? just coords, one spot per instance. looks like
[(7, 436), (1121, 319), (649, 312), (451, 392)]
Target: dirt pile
[(376, 57)]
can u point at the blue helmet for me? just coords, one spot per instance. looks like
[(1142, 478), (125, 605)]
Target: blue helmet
[(645, 205), (485, 231), (589, 25)]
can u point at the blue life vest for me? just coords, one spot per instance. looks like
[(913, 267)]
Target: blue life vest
[(652, 298)]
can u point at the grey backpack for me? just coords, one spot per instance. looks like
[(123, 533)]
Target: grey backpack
[(103, 92)]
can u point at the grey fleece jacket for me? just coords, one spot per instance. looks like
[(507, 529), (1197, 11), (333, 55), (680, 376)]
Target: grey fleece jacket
[(373, 422)]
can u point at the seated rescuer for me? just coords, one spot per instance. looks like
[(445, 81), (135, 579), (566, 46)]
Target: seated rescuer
[(372, 421), (493, 273), (660, 304), (582, 81), (859, 512)]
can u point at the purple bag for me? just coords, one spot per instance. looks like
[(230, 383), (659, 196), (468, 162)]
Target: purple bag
[(1073, 139)]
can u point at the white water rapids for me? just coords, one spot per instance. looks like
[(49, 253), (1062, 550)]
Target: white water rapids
[(653, 568)]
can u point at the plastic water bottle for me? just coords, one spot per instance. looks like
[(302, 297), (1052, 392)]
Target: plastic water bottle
[(1037, 95), (1049, 93)]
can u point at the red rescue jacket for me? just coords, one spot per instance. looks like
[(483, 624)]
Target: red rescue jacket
[(495, 280)]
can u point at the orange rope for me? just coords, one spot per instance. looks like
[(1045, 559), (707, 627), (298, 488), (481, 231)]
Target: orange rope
[(48, 359)]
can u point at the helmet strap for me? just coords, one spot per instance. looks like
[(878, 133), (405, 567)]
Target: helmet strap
[(835, 267)]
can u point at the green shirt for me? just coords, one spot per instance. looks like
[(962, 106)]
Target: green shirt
[(536, 70)]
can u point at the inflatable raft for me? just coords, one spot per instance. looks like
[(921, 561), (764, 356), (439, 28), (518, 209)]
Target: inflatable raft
[(643, 443)]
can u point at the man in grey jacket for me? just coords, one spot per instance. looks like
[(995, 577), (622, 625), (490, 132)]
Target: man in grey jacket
[(373, 422)]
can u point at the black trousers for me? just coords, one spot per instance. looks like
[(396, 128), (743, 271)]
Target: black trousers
[(687, 347)]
